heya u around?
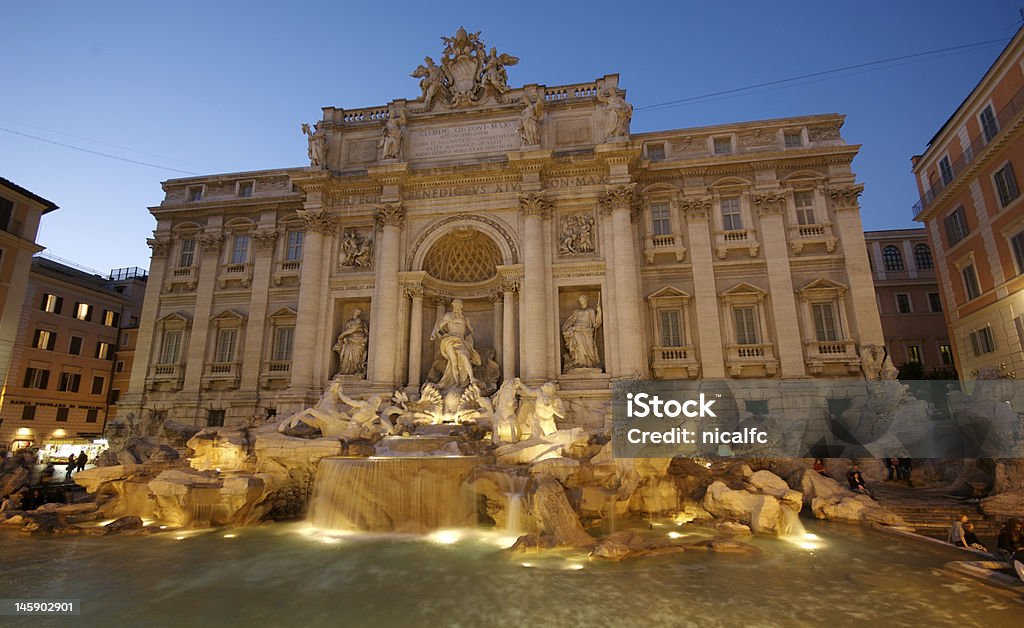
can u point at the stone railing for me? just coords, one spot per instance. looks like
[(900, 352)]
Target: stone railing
[(832, 352), (668, 243), (736, 239), (367, 114), (278, 366), (673, 362), (287, 268), (165, 376), (221, 373), (570, 92), (759, 356), (802, 235)]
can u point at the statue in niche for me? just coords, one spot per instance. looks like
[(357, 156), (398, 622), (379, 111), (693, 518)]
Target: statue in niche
[(431, 81), (356, 250), (529, 122), (390, 141), (537, 416), (495, 75), (351, 345), (455, 335), (579, 333), (619, 113), (317, 140), (577, 235)]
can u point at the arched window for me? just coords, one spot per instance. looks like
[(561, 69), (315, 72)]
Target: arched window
[(922, 257), (892, 258)]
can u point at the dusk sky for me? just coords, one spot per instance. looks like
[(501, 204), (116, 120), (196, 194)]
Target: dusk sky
[(206, 87)]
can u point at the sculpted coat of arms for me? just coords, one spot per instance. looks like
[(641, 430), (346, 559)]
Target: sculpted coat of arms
[(467, 75)]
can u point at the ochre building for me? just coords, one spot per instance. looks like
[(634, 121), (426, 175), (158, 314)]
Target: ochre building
[(578, 251)]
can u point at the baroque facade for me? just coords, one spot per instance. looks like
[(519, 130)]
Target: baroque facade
[(558, 246)]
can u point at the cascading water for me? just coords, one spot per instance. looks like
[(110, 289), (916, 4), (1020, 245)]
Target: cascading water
[(791, 524), (394, 493), (514, 513)]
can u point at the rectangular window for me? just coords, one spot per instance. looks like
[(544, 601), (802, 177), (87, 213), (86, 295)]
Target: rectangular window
[(75, 346), (1017, 244), (97, 385), (1006, 185), (283, 343), (45, 340), (946, 353), (245, 189), (36, 378), (83, 311), (971, 286), (731, 216), (989, 125), (671, 328), (723, 145), (69, 382), (28, 413), (825, 322), (655, 152), (188, 253), (215, 418), (91, 415), (804, 202), (104, 350), (195, 193), (956, 226), (746, 325), (794, 139), (111, 318), (945, 170), (225, 345), (6, 211), (934, 302), (293, 249), (62, 415), (913, 353), (171, 347), (660, 223), (119, 367), (115, 396), (982, 341), (52, 303), (903, 304), (240, 249)]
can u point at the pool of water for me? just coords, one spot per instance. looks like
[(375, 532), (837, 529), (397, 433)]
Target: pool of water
[(285, 575)]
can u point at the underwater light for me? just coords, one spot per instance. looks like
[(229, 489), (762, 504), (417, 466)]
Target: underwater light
[(674, 535), (445, 537), (230, 536), (574, 566)]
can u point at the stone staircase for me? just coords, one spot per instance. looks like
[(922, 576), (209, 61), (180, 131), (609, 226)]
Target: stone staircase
[(931, 514)]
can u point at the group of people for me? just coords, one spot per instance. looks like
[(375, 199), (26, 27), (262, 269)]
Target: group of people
[(1010, 543), (961, 534), (899, 469), (23, 499), (74, 463)]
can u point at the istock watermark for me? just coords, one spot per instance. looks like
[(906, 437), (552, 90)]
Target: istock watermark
[(817, 418)]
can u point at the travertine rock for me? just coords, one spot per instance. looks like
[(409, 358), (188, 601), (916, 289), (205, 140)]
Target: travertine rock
[(218, 448), (1008, 504), (761, 512), (554, 516)]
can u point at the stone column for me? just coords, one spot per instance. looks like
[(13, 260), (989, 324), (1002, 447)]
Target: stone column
[(497, 325), (383, 336), (146, 344), (210, 245), (508, 333), (415, 336), (708, 332), (619, 202), (866, 324), (790, 342), (535, 208), (317, 224), (252, 357)]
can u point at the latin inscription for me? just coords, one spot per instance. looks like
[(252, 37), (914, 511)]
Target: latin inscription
[(487, 137)]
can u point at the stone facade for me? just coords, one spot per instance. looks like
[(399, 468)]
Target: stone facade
[(909, 300), (688, 245)]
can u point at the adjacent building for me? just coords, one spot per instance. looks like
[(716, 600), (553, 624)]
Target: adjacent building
[(971, 206), (909, 302), (65, 354), (20, 211), (578, 251)]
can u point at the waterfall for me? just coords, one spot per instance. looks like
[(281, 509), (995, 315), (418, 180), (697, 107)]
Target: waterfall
[(514, 511), (393, 494), (791, 524)]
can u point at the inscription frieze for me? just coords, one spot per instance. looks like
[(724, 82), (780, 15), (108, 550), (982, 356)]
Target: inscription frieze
[(485, 137)]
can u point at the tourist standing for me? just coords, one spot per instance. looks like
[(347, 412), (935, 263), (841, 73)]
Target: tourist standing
[(82, 459), (893, 465), (904, 469), (71, 464)]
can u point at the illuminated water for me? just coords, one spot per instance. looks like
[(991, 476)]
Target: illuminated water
[(276, 575)]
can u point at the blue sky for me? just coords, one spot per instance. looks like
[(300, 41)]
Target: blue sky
[(223, 86)]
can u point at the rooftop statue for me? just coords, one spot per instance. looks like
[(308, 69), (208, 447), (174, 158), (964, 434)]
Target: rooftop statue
[(317, 140), (467, 75)]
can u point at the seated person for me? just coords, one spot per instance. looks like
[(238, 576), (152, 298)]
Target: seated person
[(1011, 540), (856, 480), (956, 532), (819, 467), (972, 539)]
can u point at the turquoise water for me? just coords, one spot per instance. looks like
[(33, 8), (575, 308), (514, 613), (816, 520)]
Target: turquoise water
[(281, 575)]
